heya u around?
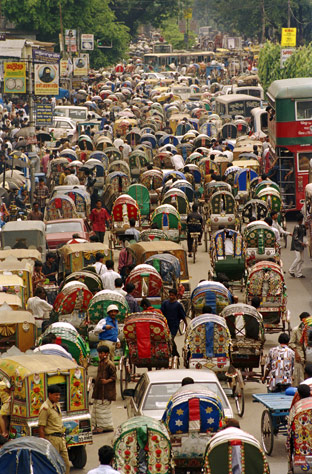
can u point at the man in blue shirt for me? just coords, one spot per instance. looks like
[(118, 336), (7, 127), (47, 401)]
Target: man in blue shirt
[(107, 329), (173, 312)]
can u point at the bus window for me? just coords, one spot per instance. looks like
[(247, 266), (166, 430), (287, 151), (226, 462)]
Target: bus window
[(237, 108), (264, 122), (304, 161), (304, 110), (249, 105), (286, 180)]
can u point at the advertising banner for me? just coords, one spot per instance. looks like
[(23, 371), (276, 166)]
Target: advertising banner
[(46, 79), (289, 37), (44, 115), (80, 66), (87, 42), (14, 78), (41, 56)]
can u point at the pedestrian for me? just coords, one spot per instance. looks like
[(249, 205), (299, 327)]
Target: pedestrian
[(104, 392), (106, 458), (35, 214), (279, 365), (107, 329), (39, 307), (296, 344), (51, 424), (41, 194), (71, 179), (125, 259), (298, 245), (118, 287), (194, 223), (99, 218), (50, 267), (174, 312), (132, 302), (99, 265), (276, 225), (109, 277), (132, 230)]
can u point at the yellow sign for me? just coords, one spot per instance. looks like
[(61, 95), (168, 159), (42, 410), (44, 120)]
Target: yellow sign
[(46, 79), (289, 37), (15, 78), (188, 14)]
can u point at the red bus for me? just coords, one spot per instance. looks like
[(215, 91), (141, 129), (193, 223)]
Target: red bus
[(290, 135)]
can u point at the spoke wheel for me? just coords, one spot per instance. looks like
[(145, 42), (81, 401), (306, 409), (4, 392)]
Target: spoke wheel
[(194, 252), (124, 376), (239, 398), (267, 434)]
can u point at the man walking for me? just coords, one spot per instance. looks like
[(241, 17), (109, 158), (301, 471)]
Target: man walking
[(280, 365), (296, 344), (99, 218), (298, 245), (51, 424), (104, 392), (173, 312)]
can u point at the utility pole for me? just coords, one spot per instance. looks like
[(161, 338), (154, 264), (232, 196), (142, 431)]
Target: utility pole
[(263, 22), (62, 29), (288, 22)]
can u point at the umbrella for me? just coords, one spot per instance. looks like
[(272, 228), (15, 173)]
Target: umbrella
[(43, 136), (71, 154), (97, 97), (21, 144), (82, 91)]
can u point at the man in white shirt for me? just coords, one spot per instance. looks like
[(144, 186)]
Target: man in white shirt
[(109, 277), (177, 162), (269, 221), (132, 230), (99, 265), (277, 226), (39, 307), (118, 142), (118, 287), (106, 457), (228, 246), (71, 179)]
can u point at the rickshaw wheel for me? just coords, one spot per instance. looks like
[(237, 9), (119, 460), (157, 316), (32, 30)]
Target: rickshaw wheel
[(206, 241), (267, 434), (78, 456), (239, 398), (124, 375)]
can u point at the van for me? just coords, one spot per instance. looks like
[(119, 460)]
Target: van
[(75, 113), (255, 91)]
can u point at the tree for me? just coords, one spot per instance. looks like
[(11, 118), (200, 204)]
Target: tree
[(170, 31), (89, 16)]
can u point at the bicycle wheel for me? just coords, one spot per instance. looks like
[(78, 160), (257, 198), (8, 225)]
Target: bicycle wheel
[(267, 434), (239, 398), (194, 250), (124, 375)]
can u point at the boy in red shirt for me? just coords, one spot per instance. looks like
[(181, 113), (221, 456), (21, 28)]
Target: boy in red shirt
[(99, 217)]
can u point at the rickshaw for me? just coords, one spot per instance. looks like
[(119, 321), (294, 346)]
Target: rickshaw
[(265, 184), (260, 243), (56, 168), (141, 251), (118, 181), (266, 280), (23, 268), (89, 277), (149, 345), (207, 346), (152, 179), (60, 207), (29, 233), (100, 302), (272, 197), (299, 437), (85, 143), (242, 181), (211, 293), (184, 186), (233, 448), (138, 161), (13, 285), (142, 445), (134, 137), (214, 187), (29, 377), (124, 209), (229, 174), (113, 154), (191, 417), (31, 454), (102, 142), (72, 302), (119, 165), (227, 256), (82, 202), (163, 160), (148, 283), (254, 208), (17, 328), (141, 195), (74, 257), (76, 346), (150, 235), (167, 219), (222, 212), (246, 327), (177, 198), (169, 268)]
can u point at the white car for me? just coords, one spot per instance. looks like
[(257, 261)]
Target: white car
[(61, 126), (153, 390)]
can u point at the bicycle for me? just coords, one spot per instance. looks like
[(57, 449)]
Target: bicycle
[(195, 237)]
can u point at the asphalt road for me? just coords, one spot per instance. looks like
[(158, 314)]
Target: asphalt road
[(299, 299)]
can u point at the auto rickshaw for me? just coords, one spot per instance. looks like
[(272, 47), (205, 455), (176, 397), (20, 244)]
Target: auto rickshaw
[(17, 328), (227, 256), (260, 243), (266, 280), (207, 346), (76, 346), (29, 377), (74, 257), (30, 234), (188, 433), (141, 195), (23, 268), (124, 209), (167, 219), (211, 293), (226, 450), (60, 207), (299, 436), (246, 327), (177, 198), (32, 454), (142, 445), (13, 285)]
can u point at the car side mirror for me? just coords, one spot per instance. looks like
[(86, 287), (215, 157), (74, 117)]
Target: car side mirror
[(129, 392)]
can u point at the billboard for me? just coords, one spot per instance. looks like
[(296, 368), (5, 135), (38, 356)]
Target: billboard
[(80, 66), (14, 78), (44, 115), (46, 79), (87, 42)]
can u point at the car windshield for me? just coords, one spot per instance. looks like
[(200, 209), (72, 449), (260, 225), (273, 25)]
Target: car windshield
[(158, 394), (63, 227)]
